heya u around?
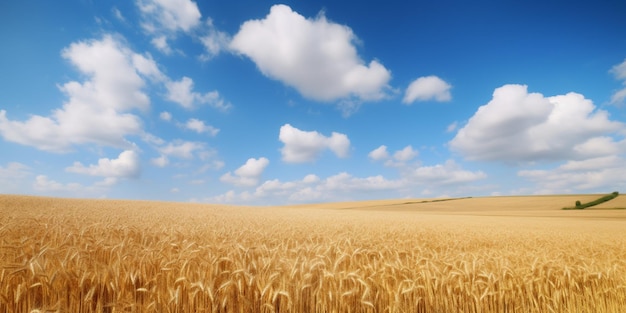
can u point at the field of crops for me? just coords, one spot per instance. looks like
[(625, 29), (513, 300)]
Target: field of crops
[(501, 254)]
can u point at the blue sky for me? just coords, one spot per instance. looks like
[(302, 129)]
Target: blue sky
[(256, 102)]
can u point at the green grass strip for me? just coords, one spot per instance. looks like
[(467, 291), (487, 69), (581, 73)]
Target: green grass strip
[(582, 206)]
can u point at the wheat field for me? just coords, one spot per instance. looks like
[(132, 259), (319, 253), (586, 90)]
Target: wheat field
[(498, 254)]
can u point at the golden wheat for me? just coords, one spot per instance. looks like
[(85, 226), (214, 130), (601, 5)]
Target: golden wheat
[(123, 256)]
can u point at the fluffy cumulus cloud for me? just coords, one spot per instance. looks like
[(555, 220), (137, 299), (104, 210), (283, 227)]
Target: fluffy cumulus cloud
[(161, 44), (306, 146), (521, 127), (620, 73), (181, 92), (445, 174), (248, 174), (426, 89), (127, 165), (315, 56), (449, 177), (200, 127), (440, 174), (97, 110), (345, 182), (275, 187), (164, 18), (399, 158), (418, 175), (101, 109), (379, 153), (186, 153), (311, 189), (169, 15), (406, 154), (182, 149), (599, 174), (161, 161)]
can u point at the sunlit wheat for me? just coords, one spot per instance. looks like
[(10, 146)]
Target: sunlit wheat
[(120, 256)]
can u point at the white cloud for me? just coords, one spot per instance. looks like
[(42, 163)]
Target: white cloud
[(183, 149), (199, 127), (14, 170), (248, 174), (96, 109), (125, 166), (315, 56), (405, 154), (620, 73), (165, 18), (161, 161), (311, 178), (427, 88), (181, 92), (337, 187), (448, 173), (275, 188), (333, 187), (188, 152), (307, 194), (169, 15), (161, 44), (400, 157), (600, 146), (45, 185), (415, 174), (593, 164), (114, 71), (42, 183), (601, 174), (346, 182), (152, 139), (166, 116), (229, 196), (447, 178), (214, 41), (118, 14), (619, 96), (107, 182), (619, 70), (452, 127), (147, 67), (11, 177), (379, 153), (517, 126), (213, 165), (305, 146)]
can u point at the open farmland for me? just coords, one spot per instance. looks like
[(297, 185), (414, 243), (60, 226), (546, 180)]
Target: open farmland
[(495, 254)]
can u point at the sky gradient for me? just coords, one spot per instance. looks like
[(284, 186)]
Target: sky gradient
[(256, 102)]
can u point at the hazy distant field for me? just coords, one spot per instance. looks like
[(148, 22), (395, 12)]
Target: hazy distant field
[(500, 254)]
